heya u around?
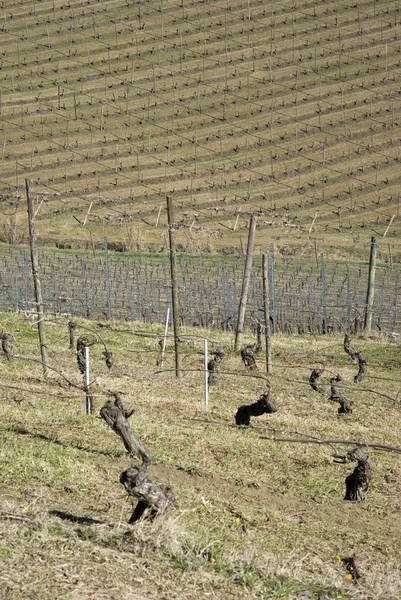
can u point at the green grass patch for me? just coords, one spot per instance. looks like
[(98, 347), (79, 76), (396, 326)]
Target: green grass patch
[(257, 518)]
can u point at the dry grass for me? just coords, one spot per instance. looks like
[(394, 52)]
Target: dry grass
[(229, 108), (63, 514)]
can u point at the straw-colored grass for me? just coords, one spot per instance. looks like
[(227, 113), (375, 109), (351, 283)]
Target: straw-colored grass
[(254, 518), (288, 110)]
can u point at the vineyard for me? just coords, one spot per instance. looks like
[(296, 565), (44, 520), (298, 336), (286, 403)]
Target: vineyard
[(312, 297), (143, 454), (260, 511), (290, 111)]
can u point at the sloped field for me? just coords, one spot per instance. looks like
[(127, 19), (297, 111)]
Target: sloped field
[(255, 518), (291, 110)]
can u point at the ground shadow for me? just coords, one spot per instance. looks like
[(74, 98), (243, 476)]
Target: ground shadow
[(45, 438), (75, 519)]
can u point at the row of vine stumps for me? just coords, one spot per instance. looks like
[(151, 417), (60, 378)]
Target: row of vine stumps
[(159, 500)]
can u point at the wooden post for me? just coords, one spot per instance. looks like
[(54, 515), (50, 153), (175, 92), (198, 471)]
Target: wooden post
[(349, 305), (324, 299), (389, 225), (89, 409), (36, 280), (158, 216), (174, 287), (272, 289), (266, 308), (245, 282), (107, 277), (206, 372), (313, 222), (371, 285)]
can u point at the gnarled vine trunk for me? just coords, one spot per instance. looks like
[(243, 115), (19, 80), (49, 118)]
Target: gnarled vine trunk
[(153, 500), (265, 404)]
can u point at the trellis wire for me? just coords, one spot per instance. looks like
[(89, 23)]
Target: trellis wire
[(304, 298)]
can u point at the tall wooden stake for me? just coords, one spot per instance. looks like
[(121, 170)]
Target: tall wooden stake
[(36, 279), (88, 401), (107, 277), (371, 285), (245, 282), (206, 359), (324, 296), (267, 314), (174, 287)]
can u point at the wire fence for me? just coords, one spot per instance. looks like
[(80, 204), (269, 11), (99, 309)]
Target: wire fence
[(332, 356), (306, 296)]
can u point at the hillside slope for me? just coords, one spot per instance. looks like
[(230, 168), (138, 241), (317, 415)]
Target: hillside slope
[(256, 516), (289, 110)]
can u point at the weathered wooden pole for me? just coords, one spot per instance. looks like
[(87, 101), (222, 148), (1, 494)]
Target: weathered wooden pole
[(36, 280), (245, 282), (107, 277), (324, 297), (266, 310), (371, 285), (88, 397), (272, 289), (174, 287), (206, 360)]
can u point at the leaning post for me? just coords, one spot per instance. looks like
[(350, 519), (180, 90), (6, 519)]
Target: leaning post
[(245, 282), (174, 287), (165, 338), (33, 242)]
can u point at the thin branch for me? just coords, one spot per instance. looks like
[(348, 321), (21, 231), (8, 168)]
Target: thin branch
[(14, 517), (41, 392), (39, 362), (157, 335), (95, 332), (254, 427), (220, 373), (380, 447), (311, 440), (83, 327), (156, 351), (353, 389)]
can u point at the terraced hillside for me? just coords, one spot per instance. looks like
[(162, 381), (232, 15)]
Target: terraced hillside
[(231, 107)]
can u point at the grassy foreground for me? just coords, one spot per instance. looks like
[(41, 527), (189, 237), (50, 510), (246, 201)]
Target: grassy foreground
[(254, 519)]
